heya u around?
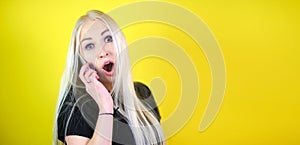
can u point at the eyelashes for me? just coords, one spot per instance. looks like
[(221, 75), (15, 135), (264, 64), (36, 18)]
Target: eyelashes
[(90, 46), (107, 39)]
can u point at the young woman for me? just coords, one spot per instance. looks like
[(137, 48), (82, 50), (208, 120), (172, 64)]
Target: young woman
[(98, 102)]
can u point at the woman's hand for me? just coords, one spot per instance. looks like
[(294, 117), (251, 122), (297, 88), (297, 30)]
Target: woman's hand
[(96, 89)]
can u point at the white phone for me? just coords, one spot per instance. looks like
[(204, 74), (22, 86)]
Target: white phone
[(82, 60), (91, 66)]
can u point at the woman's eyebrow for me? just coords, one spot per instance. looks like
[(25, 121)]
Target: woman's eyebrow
[(106, 30), (88, 38)]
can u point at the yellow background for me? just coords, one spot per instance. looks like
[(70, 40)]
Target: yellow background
[(259, 41)]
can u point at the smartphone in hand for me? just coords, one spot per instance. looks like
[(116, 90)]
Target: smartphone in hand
[(82, 60), (91, 66)]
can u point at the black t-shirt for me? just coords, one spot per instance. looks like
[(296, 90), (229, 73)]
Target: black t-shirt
[(78, 125)]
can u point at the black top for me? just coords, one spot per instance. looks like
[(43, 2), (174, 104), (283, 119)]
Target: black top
[(80, 125)]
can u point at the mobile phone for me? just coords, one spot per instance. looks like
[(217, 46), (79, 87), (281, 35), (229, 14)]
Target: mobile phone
[(91, 66), (82, 60)]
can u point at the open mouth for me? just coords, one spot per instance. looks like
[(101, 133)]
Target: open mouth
[(108, 66)]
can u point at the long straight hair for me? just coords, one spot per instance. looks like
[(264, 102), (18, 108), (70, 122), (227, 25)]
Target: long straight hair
[(145, 127)]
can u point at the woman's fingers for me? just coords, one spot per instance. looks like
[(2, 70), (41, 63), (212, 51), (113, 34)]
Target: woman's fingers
[(94, 87), (82, 72), (87, 75)]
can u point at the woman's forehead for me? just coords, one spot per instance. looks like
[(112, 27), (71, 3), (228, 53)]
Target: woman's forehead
[(92, 28)]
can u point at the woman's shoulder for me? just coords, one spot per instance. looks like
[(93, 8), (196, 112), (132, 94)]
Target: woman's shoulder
[(145, 96), (70, 120), (142, 91)]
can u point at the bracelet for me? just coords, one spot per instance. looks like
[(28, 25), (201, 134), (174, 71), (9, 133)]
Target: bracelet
[(116, 109), (106, 114)]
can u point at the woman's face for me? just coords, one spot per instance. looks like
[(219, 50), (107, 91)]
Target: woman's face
[(97, 48)]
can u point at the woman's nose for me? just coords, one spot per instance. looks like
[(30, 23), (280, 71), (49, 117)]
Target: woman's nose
[(103, 54)]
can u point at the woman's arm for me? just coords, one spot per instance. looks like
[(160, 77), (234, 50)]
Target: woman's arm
[(104, 125)]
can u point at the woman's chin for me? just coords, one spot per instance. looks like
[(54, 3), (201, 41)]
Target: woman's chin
[(106, 77)]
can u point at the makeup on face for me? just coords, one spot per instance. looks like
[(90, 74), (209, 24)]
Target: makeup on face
[(97, 47)]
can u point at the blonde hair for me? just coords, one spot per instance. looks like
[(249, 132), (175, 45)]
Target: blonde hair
[(144, 125)]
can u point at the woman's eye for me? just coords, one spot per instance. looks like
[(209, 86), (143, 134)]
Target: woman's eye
[(89, 46), (108, 39)]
